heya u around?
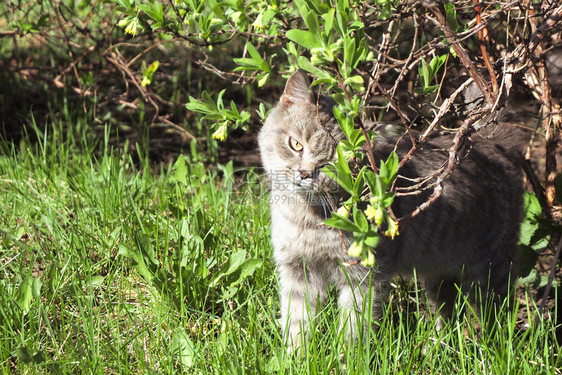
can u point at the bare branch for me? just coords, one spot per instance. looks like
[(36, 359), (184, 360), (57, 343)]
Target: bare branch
[(461, 53)]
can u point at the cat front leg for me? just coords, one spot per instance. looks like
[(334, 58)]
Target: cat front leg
[(351, 301), (300, 293), (359, 303)]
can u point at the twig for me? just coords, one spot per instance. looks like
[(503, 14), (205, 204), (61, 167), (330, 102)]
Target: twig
[(550, 277), (406, 68), (186, 135), (461, 53), (140, 54), (548, 125), (381, 58), (444, 108), (116, 60), (368, 144), (536, 185), (541, 31), (483, 42), (461, 134), (421, 186), (399, 113), (9, 33)]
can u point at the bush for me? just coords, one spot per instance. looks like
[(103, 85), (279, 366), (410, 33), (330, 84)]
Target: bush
[(386, 60)]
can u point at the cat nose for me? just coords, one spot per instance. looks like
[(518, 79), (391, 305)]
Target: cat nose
[(305, 173)]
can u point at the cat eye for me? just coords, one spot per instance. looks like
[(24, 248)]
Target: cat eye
[(295, 145)]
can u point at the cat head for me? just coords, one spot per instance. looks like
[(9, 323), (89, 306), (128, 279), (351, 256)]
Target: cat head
[(298, 138)]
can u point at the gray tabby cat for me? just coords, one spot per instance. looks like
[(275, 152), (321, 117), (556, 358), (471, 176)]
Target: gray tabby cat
[(467, 237)]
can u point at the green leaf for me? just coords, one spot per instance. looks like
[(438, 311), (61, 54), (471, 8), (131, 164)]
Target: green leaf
[(179, 171), (148, 74), (376, 183), (268, 15), (392, 165), (532, 234), (526, 261), (372, 239), (356, 82), (247, 269), (423, 71), (451, 15), (380, 187), (388, 199), (342, 173), (328, 21), (95, 281), (153, 10), (383, 170), (183, 349), (24, 294), (428, 72), (305, 64), (210, 102), (357, 138), (143, 256), (302, 7), (358, 185), (341, 222), (146, 249), (262, 79), (311, 21), (235, 261), (360, 220), (345, 123), (349, 51), (388, 170), (126, 5), (305, 38), (206, 105), (25, 355), (246, 64), (257, 57), (427, 90), (436, 63), (370, 177)]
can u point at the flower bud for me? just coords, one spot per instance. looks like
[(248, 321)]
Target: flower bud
[(220, 133), (368, 259), (392, 230), (355, 249)]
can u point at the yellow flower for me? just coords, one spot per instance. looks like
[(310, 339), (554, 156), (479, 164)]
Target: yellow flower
[(145, 81), (374, 214), (220, 133), (258, 22), (355, 249), (368, 259), (133, 27), (392, 230)]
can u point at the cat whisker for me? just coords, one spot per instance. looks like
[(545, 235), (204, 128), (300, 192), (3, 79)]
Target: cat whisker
[(326, 205)]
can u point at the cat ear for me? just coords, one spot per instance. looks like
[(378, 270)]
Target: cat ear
[(296, 89)]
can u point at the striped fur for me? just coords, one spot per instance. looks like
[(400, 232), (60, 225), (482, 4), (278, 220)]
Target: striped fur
[(467, 237)]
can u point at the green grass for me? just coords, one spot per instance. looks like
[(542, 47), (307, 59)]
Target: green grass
[(106, 267)]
